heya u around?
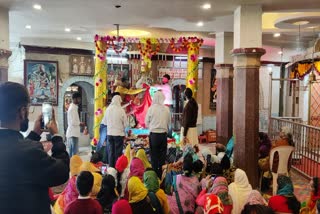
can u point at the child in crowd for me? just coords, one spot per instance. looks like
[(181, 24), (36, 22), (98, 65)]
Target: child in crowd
[(84, 204), (96, 160)]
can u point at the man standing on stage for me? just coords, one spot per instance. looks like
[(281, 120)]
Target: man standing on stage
[(158, 122)]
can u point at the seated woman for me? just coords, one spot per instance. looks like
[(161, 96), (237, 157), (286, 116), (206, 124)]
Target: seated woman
[(108, 194), (239, 190), (152, 183), (285, 201), (217, 186), (122, 175), (186, 188), (70, 193), (256, 204), (285, 138), (313, 201), (141, 154), (213, 205), (121, 207), (138, 197), (136, 169)]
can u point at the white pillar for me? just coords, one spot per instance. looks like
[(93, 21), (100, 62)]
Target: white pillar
[(224, 46), (4, 44), (248, 26)]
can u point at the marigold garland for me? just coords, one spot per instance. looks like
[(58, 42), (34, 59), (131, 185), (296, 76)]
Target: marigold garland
[(147, 51), (191, 43)]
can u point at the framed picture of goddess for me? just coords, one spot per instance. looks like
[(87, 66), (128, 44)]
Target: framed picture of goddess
[(41, 80)]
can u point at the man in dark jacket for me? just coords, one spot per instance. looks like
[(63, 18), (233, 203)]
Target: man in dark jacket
[(26, 170), (189, 131)]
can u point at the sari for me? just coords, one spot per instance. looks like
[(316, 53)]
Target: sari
[(188, 189)]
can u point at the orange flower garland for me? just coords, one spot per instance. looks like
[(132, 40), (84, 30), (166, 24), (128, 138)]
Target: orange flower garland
[(186, 42), (147, 51), (180, 48)]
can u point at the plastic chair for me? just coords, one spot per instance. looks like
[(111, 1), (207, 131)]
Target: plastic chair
[(284, 155)]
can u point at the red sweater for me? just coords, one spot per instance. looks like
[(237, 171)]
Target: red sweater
[(278, 203), (84, 206)]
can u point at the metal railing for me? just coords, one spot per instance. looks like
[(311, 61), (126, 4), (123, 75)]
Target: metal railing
[(306, 156)]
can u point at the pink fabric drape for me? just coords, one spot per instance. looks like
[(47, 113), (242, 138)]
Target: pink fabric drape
[(140, 111)]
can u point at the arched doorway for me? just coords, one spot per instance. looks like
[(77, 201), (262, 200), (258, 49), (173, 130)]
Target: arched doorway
[(178, 87), (85, 86)]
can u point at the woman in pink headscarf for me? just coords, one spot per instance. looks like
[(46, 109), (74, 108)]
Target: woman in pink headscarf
[(136, 169), (216, 186)]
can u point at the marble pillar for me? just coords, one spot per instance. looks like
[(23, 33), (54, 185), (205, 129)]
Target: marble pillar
[(224, 67), (246, 55), (224, 102)]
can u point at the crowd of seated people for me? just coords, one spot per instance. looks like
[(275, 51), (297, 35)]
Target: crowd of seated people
[(199, 185)]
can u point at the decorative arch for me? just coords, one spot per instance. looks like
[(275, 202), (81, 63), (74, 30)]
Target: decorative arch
[(87, 84)]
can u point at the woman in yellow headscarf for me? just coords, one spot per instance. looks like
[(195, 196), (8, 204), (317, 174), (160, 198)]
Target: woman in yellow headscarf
[(88, 166), (141, 154), (127, 153), (138, 197), (70, 192), (97, 180)]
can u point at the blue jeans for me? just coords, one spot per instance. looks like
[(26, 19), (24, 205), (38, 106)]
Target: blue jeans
[(73, 143), (103, 136), (115, 148)]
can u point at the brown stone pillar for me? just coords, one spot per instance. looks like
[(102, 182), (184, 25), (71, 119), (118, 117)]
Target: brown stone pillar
[(224, 102), (246, 110), (4, 56)]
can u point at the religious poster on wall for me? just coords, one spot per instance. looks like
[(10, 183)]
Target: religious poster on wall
[(81, 65), (41, 80), (118, 71), (213, 90)]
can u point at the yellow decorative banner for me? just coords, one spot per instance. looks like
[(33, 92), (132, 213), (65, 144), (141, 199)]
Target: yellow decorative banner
[(304, 68), (100, 90), (193, 67)]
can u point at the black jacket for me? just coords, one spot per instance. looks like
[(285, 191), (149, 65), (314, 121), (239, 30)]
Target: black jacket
[(27, 171), (190, 115)]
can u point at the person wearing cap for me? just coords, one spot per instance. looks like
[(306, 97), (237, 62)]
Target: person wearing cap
[(27, 171), (158, 122), (117, 122)]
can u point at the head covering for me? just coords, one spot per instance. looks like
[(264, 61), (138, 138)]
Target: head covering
[(137, 191), (189, 150), (213, 205), (88, 166), (240, 189), (116, 101), (285, 186), (158, 98), (256, 198), (220, 188), (151, 181), (136, 168), (97, 180), (141, 154), (127, 152), (122, 163), (121, 207), (286, 130), (75, 164), (114, 173)]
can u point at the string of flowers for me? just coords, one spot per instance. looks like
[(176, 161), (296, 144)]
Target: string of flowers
[(147, 50), (191, 43), (109, 41)]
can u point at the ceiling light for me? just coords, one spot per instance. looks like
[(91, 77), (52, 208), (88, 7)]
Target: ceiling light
[(131, 33), (276, 34), (37, 7), (28, 26), (280, 52), (206, 6), (67, 29), (79, 38), (301, 23), (200, 24)]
